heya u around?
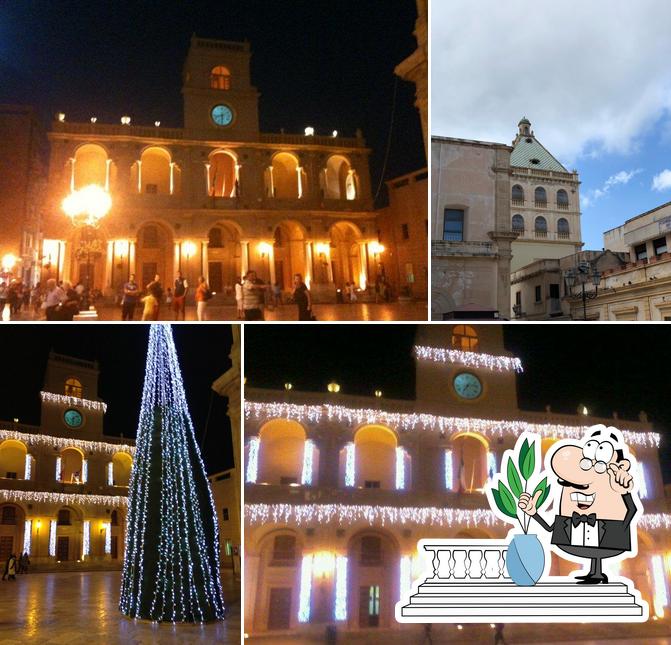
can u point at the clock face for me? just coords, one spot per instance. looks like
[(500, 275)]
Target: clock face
[(467, 385), (73, 418), (222, 114)]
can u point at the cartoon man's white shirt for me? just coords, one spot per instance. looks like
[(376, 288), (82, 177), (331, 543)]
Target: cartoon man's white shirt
[(584, 534)]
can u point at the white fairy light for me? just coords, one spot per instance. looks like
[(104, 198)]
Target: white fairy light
[(642, 481), (405, 581), (86, 541), (400, 468), (305, 589), (85, 471), (308, 451), (253, 461), (52, 538), (28, 468), (661, 598), (64, 442), (73, 401), (491, 464), (340, 609), (63, 499), (59, 462), (27, 536), (449, 477), (110, 474), (468, 359), (350, 464), (107, 526), (414, 421)]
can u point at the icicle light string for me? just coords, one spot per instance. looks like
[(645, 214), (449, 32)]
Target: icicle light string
[(469, 359), (414, 421), (64, 442), (73, 401), (345, 515), (61, 498)]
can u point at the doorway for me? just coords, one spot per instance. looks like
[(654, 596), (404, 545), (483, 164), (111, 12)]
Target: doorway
[(279, 610), (62, 548), (149, 270), (369, 606), (215, 276)]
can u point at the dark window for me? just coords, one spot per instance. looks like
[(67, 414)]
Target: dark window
[(641, 252), (518, 298), (453, 230), (562, 227), (150, 237), (151, 189), (285, 481), (659, 245), (540, 227), (11, 475), (114, 518), (284, 549), (518, 193), (537, 292), (371, 550), (63, 517), (554, 291), (372, 484), (215, 238), (562, 199), (518, 223), (540, 196), (8, 515), (224, 512), (405, 232)]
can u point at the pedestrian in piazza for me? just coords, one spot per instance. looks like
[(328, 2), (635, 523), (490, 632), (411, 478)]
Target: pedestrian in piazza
[(131, 296), (179, 298), (151, 308), (155, 288), (24, 561), (253, 295), (3, 297), (238, 298), (54, 297), (203, 294), (10, 568), (302, 298)]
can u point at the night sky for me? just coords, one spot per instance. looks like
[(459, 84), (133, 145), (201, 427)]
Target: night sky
[(325, 64), (605, 367), (121, 352)]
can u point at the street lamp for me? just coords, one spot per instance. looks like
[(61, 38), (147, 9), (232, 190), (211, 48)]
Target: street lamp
[(581, 275), (85, 208)]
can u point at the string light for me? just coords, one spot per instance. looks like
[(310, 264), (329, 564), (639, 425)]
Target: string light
[(63, 499), (305, 589), (642, 481), (252, 461), (400, 468), (59, 462), (340, 609), (64, 442), (73, 401), (27, 536), (28, 468), (306, 475), (85, 470), (449, 477), (107, 527), (171, 564), (491, 428), (491, 464), (661, 599), (86, 540), (469, 359), (350, 464), (110, 474), (52, 538), (405, 581)]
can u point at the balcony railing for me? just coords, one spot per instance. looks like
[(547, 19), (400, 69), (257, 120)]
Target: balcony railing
[(563, 235), (540, 204), (562, 207), (517, 202), (541, 234), (456, 561)]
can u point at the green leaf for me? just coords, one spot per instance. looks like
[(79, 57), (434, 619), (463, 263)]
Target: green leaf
[(523, 454), (529, 462), (509, 504), (542, 486), (514, 479), (544, 496)]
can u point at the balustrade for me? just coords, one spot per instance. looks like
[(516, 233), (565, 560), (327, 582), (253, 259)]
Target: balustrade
[(457, 562)]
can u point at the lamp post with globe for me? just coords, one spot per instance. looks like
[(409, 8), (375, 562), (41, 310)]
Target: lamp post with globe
[(583, 274)]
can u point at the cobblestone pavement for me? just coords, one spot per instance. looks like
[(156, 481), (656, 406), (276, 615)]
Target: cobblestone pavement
[(78, 608), (356, 312)]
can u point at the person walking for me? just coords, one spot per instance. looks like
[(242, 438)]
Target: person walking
[(179, 296), (71, 303), (3, 297), (238, 298), (498, 634), (155, 288), (302, 298), (151, 307), (36, 298), (52, 302), (131, 295), (203, 294), (253, 293), (10, 568), (24, 561)]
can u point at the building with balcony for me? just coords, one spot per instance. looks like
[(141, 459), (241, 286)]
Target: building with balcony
[(63, 483), (214, 198), (339, 489)]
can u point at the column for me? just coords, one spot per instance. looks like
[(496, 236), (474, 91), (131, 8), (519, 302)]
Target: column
[(244, 257), (204, 266), (329, 266), (237, 190), (271, 264), (272, 181), (131, 257), (108, 162), (72, 174), (364, 266), (172, 177), (139, 176), (109, 265), (177, 258), (308, 264), (207, 178), (299, 173)]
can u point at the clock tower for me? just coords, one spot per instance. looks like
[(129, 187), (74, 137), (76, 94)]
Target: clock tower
[(219, 99), (70, 404), (464, 371)]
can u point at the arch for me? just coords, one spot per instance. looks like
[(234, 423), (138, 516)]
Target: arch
[(470, 451), (465, 338), (122, 463), (563, 227), (73, 387), (68, 534), (90, 166), (518, 223), (517, 193), (285, 184), (220, 78), (540, 195), (155, 171), (562, 198), (540, 225), (154, 253), (375, 461), (346, 265), (289, 252), (474, 534), (72, 465), (12, 530), (13, 459), (224, 256), (281, 449), (223, 175), (339, 178)]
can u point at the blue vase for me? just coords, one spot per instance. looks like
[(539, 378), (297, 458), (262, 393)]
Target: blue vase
[(525, 559)]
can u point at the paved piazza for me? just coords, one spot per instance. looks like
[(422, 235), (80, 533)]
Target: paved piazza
[(362, 311), (81, 608)]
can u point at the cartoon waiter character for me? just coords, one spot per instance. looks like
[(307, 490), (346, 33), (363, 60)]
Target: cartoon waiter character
[(597, 503)]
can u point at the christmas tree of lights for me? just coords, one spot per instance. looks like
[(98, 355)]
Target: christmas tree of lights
[(171, 565)]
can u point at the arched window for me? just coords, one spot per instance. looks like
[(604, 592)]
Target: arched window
[(540, 196), (562, 199), (284, 550), (518, 193), (286, 177), (339, 178), (64, 517), (150, 237), (518, 223), (155, 172), (220, 78), (8, 515), (73, 387), (223, 177), (562, 227), (540, 226), (465, 338), (90, 167), (214, 237)]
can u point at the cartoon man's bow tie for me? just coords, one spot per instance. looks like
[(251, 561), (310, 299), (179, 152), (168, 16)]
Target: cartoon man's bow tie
[(576, 518)]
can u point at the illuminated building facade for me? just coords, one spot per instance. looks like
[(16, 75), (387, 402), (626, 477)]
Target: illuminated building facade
[(340, 489), (63, 484), (214, 198)]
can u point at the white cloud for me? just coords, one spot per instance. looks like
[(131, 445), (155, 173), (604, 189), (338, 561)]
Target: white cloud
[(591, 76), (621, 178), (662, 181)]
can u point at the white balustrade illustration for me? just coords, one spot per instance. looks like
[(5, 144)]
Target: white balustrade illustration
[(473, 562)]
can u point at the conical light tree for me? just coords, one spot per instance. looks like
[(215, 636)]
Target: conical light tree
[(171, 565)]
